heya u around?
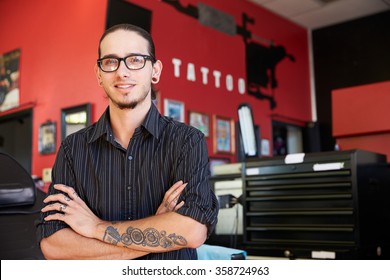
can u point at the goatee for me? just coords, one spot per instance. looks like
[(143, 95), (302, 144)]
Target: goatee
[(130, 104), (126, 106)]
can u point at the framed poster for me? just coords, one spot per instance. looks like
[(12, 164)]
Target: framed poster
[(200, 121), (174, 109), (47, 138), (74, 119), (9, 80), (224, 135)]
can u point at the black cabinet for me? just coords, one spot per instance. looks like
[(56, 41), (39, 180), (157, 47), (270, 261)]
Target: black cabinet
[(332, 205)]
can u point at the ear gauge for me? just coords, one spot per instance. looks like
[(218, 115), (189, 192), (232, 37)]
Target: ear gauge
[(154, 80)]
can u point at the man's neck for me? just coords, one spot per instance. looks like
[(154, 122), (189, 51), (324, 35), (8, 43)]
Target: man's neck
[(125, 121)]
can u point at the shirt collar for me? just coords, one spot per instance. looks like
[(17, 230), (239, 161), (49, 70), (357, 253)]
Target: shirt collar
[(103, 126), (152, 121)]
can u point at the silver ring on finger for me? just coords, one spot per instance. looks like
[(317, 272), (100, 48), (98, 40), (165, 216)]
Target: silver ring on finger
[(62, 207), (67, 198)]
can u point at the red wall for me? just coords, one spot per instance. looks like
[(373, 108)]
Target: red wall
[(360, 117), (58, 42)]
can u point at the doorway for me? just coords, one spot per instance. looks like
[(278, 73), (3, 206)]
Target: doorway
[(16, 137), (287, 138)]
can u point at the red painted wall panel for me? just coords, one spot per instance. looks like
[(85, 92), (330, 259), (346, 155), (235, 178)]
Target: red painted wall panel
[(360, 117), (361, 110), (58, 42)]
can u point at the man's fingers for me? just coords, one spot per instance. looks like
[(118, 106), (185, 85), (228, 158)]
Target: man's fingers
[(66, 189), (63, 198), (175, 192), (68, 194), (58, 216), (179, 190), (55, 207), (178, 206), (172, 199), (174, 187)]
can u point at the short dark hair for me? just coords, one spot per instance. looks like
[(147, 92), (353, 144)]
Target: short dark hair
[(140, 31)]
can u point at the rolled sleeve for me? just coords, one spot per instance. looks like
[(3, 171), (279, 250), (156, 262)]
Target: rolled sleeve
[(61, 173), (200, 201)]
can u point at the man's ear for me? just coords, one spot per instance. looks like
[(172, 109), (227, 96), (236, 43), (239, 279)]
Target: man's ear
[(98, 75), (157, 69)]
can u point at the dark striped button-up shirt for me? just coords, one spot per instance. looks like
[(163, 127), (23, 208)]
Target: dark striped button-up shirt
[(129, 184)]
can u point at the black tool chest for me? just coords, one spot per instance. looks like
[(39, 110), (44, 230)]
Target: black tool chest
[(328, 205)]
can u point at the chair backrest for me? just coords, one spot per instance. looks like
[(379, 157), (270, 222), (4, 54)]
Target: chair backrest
[(16, 185)]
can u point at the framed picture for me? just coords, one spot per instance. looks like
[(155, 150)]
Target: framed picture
[(265, 148), (174, 109), (75, 118), (215, 162), (47, 138), (9, 80), (200, 121), (224, 135)]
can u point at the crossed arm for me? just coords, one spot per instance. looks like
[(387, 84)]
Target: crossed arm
[(89, 237)]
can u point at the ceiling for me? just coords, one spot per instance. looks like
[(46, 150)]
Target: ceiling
[(314, 14)]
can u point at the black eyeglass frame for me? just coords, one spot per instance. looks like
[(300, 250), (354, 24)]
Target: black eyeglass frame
[(146, 57)]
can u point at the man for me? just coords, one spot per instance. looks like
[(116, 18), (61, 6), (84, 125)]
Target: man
[(110, 197)]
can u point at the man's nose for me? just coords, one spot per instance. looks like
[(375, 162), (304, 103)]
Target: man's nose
[(122, 69)]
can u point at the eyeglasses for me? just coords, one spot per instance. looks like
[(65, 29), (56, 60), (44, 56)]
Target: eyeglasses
[(132, 62)]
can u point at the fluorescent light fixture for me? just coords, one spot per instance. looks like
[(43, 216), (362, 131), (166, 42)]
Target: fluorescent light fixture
[(247, 130)]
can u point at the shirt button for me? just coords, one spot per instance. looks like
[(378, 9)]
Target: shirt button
[(129, 187), (130, 157), (129, 218)]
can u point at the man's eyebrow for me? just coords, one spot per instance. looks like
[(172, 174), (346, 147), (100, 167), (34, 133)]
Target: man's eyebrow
[(110, 56), (117, 56)]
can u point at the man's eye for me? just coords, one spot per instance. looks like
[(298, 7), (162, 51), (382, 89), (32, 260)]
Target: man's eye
[(110, 61), (136, 59)]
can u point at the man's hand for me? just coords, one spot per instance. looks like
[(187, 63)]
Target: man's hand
[(171, 198), (71, 210)]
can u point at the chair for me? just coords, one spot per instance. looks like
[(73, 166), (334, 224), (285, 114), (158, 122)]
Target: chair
[(20, 205)]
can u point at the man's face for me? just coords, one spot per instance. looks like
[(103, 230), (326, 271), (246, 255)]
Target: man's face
[(126, 88)]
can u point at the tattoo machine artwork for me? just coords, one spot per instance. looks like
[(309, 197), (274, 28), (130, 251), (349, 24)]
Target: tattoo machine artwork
[(149, 237), (261, 60)]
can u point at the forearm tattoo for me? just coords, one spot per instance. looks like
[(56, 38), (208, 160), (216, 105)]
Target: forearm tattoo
[(150, 237)]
